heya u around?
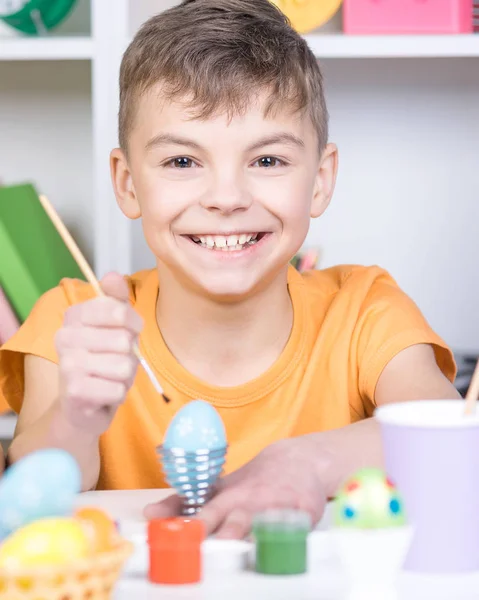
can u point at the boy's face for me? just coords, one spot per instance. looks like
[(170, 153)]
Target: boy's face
[(225, 203)]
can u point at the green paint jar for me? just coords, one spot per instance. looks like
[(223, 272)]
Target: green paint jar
[(281, 542)]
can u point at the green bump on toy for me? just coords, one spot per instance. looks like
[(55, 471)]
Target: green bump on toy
[(369, 501)]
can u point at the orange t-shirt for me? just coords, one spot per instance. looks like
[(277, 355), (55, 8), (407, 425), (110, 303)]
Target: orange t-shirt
[(349, 322)]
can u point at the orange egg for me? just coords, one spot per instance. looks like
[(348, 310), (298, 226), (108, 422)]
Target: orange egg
[(100, 528)]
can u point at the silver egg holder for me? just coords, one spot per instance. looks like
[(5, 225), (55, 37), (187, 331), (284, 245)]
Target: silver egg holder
[(192, 474)]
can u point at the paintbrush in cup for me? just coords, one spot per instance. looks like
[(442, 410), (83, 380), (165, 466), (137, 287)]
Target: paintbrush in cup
[(92, 280)]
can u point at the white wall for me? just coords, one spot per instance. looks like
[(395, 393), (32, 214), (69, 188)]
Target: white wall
[(45, 119), (408, 190), (141, 10)]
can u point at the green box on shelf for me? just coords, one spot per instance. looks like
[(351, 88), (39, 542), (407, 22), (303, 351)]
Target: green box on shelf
[(33, 257)]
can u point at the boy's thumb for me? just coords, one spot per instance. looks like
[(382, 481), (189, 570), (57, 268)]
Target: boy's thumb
[(114, 285)]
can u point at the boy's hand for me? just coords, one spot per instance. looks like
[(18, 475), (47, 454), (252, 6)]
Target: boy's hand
[(284, 475), (96, 361)]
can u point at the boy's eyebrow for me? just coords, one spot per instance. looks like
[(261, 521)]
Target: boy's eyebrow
[(278, 138), (163, 139)]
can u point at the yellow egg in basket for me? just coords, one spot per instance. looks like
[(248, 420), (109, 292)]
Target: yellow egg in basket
[(52, 559), (45, 542)]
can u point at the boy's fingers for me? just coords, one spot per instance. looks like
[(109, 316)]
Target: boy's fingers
[(108, 312), (169, 507), (115, 285), (215, 512), (236, 526), (85, 388), (104, 312), (115, 367), (116, 340)]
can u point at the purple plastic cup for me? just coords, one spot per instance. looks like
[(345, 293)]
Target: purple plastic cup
[(431, 453)]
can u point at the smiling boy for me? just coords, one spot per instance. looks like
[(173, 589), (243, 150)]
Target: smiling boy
[(224, 156)]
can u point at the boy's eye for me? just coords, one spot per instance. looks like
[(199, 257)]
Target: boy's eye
[(181, 162), (269, 161)]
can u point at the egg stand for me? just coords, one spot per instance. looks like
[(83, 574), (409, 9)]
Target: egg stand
[(192, 474)]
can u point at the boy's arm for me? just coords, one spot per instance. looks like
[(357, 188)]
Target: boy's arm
[(71, 405), (42, 424), (412, 375), (303, 472)]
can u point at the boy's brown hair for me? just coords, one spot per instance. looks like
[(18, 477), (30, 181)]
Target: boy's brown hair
[(220, 54)]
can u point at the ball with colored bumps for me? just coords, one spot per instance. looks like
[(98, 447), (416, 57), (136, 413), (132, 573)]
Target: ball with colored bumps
[(369, 500)]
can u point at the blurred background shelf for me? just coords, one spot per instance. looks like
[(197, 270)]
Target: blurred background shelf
[(335, 45), (34, 49), (404, 113)]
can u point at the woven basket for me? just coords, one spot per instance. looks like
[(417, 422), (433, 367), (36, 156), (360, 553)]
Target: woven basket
[(90, 579)]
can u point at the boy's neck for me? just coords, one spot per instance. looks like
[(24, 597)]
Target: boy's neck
[(224, 344)]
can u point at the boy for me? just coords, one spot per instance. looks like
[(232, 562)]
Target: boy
[(225, 157)]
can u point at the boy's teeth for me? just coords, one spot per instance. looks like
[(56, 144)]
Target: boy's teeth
[(225, 243)]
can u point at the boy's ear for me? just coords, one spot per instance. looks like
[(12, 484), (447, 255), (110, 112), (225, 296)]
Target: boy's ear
[(123, 184), (325, 180)]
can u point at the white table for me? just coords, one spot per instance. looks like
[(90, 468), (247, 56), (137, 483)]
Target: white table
[(324, 582)]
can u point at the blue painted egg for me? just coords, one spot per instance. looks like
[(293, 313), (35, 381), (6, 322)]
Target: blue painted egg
[(197, 426), (43, 484)]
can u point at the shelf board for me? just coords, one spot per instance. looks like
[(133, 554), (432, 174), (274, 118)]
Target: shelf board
[(52, 48), (7, 426), (338, 45)]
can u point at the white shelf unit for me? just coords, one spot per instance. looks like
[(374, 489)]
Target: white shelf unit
[(378, 87), (323, 45)]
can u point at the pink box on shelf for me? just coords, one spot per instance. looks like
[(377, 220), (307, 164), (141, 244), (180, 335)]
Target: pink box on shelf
[(407, 16)]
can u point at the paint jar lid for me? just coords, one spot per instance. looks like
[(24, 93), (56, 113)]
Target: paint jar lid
[(284, 520), (176, 532)]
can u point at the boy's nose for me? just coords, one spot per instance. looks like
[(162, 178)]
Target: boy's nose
[(227, 197)]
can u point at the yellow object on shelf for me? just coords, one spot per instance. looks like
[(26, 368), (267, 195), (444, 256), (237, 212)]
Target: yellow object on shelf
[(306, 15)]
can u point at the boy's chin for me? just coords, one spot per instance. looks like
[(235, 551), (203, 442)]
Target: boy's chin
[(224, 288)]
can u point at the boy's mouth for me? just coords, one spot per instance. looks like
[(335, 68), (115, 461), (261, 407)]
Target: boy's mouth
[(227, 243)]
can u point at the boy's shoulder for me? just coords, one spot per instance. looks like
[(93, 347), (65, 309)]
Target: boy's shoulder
[(345, 278)]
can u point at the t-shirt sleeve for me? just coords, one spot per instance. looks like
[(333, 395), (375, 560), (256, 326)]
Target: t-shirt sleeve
[(36, 336), (390, 322)]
